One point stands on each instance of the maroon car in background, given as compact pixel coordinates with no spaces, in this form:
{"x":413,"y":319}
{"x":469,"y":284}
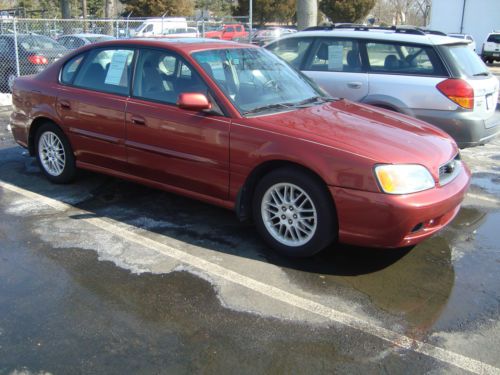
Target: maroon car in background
{"x":233,"y":125}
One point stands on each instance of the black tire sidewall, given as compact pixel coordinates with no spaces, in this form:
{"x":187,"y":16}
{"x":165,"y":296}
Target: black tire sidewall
{"x":69,"y":171}
{"x":327,"y":228}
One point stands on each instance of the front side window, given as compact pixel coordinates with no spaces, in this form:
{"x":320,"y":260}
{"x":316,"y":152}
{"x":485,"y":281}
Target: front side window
{"x":255,"y":79}
{"x":335,"y":55}
{"x":398,"y":58}
{"x":291,"y":50}
{"x":230,"y":29}
{"x":162,"y":76}
{"x":106,"y":70}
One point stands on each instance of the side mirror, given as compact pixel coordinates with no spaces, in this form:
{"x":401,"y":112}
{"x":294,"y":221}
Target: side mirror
{"x":193,"y":101}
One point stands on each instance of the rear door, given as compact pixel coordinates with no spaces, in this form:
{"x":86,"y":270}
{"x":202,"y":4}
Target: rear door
{"x":93,"y":104}
{"x":183,"y":149}
{"x":335,"y":65}
{"x":404,"y":76}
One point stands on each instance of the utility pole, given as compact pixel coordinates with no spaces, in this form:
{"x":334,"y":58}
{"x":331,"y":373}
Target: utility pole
{"x":307,"y":13}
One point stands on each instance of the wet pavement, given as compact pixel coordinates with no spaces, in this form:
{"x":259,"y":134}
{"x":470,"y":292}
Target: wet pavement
{"x":108,"y":277}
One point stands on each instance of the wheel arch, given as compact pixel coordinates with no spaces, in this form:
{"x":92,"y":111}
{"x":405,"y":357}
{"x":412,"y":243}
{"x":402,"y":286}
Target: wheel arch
{"x":243,"y":206}
{"x":388,"y":102}
{"x":35,"y":125}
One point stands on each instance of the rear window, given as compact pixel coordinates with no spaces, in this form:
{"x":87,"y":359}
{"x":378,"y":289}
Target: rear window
{"x":495,"y":38}
{"x":466,"y":60}
{"x":95,"y":39}
{"x":39,"y":43}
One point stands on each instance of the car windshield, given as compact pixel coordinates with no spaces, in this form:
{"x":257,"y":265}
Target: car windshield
{"x":495,"y":38}
{"x":467,"y":61}
{"x":36,"y":43}
{"x":256,"y":81}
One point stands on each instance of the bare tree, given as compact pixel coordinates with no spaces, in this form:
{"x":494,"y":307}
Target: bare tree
{"x":400,"y":12}
{"x":424,"y":8}
{"x":307,"y":13}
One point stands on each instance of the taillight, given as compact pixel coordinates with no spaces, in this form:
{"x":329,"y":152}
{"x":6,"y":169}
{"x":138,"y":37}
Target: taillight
{"x":38,"y":60}
{"x":458,"y":91}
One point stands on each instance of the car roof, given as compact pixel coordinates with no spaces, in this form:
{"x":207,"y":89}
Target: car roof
{"x":85,"y":35}
{"x":379,"y":34}
{"x":186,"y":45}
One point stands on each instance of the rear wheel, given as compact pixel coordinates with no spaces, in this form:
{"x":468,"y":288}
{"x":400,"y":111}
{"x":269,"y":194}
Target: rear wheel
{"x":54,"y":154}
{"x":294,"y":213}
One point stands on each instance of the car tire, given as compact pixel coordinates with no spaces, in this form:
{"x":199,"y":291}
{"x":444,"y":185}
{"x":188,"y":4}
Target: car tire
{"x":294,"y":213}
{"x":54,"y":154}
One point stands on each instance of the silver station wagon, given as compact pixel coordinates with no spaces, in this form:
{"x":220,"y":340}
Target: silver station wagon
{"x":434,"y":78}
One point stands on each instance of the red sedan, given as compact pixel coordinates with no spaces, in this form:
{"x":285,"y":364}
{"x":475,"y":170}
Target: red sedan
{"x":233,"y":125}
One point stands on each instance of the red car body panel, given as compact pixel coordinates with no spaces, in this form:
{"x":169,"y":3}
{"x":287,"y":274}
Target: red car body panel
{"x":210,"y":157}
{"x":225,"y":34}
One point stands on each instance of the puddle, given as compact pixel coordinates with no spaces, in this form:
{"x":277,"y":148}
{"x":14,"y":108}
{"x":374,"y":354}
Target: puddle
{"x":488,"y":182}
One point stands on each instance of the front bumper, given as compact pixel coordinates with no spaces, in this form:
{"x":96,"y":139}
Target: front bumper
{"x":391,"y":221}
{"x":467,"y":128}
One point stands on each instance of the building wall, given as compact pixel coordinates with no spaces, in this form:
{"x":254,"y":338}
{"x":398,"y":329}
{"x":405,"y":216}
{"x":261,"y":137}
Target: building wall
{"x":480,"y":18}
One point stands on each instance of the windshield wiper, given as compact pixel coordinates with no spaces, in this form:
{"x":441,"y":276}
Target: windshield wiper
{"x":314,"y":99}
{"x":269,"y":106}
{"x":481,"y":74}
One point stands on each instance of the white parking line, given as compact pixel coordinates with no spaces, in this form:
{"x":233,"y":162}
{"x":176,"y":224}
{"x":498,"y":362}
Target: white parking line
{"x":483,"y":198}
{"x":127,"y":233}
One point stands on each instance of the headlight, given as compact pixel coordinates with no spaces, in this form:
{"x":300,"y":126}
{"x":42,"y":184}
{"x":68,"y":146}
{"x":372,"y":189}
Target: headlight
{"x":403,"y":178}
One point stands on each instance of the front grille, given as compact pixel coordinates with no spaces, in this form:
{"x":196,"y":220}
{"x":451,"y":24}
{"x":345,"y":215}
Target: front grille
{"x":450,"y":170}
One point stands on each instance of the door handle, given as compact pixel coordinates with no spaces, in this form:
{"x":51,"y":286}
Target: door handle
{"x":354,"y":85}
{"x":64,"y":104}
{"x":137,"y":120}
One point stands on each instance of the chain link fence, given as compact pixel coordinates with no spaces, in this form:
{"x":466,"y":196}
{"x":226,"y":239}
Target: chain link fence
{"x":28,"y":46}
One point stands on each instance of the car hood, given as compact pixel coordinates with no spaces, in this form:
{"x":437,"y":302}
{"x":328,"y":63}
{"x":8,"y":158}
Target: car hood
{"x":380,"y":135}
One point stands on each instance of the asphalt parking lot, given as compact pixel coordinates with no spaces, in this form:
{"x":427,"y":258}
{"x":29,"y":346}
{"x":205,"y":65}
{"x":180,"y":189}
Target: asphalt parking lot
{"x":107,"y":277}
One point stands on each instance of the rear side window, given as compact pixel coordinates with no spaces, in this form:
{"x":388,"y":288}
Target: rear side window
{"x":335,"y":55}
{"x":398,"y":58}
{"x":106,"y":70}
{"x":70,"y":68}
{"x":465,"y":60}
{"x":494,"y":38}
{"x":292,"y":50}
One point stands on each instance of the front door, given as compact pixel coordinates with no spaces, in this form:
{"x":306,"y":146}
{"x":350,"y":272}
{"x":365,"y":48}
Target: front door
{"x":335,"y":65}
{"x":176,"y":147}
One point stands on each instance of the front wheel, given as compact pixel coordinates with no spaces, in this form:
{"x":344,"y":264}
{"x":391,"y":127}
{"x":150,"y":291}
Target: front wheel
{"x":294,"y":213}
{"x":54,"y":154}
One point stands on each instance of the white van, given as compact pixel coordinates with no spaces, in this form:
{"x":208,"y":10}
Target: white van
{"x":159,"y":26}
